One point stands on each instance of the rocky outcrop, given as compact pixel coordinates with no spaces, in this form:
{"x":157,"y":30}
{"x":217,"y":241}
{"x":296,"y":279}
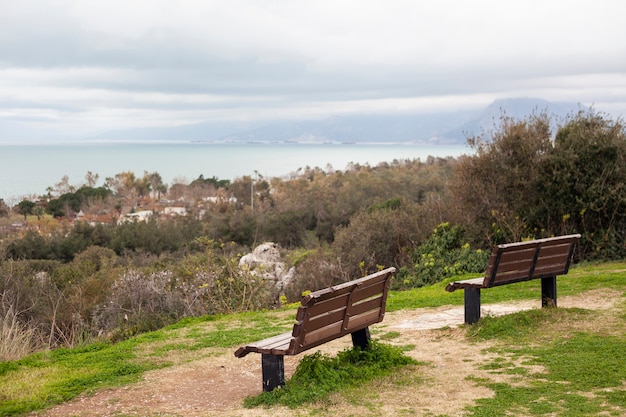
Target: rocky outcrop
{"x":265,"y":261}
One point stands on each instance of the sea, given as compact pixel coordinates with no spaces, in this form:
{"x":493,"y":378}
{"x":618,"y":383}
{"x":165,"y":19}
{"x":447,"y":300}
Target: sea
{"x":29,"y":170}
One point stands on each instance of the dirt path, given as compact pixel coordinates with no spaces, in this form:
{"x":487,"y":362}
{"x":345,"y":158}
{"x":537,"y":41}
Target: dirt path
{"x":217,"y":385}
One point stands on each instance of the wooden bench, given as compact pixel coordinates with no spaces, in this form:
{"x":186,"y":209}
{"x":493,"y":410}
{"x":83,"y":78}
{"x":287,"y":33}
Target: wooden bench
{"x":322,"y":316}
{"x":515,"y":262}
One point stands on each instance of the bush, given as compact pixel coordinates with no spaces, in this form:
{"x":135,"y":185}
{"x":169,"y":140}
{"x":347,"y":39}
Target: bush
{"x":441,"y":256}
{"x":380,"y":236}
{"x":211,"y":283}
{"x":139,"y":302}
{"x":315,"y":269}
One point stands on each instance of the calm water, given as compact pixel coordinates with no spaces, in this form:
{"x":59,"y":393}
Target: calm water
{"x":30,"y":169}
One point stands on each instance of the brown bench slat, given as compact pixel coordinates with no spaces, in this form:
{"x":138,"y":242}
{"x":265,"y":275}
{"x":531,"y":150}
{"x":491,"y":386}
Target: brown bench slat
{"x":319,"y":336}
{"x":551,"y":260}
{"x":322,"y":321}
{"x":338,"y":316}
{"x":362,"y":292}
{"x":321,"y":330}
{"x":367,"y":305}
{"x":323,"y":313}
{"x":317,"y":308}
{"x":363,"y":320}
{"x":330,"y":332}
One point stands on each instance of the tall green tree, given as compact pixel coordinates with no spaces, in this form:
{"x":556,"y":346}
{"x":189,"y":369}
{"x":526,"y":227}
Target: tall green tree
{"x":581,"y":184}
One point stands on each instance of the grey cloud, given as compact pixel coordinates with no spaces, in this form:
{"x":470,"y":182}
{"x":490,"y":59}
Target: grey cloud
{"x":82,"y":63}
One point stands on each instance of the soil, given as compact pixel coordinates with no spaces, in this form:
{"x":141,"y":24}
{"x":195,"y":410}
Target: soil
{"x":216,"y":385}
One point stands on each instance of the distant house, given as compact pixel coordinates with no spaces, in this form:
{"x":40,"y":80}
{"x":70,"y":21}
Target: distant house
{"x":102,"y":217}
{"x":137,"y":216}
{"x":219,"y":199}
{"x":175,"y":211}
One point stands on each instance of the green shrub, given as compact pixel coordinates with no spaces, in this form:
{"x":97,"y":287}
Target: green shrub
{"x":441,"y":256}
{"x":319,"y":375}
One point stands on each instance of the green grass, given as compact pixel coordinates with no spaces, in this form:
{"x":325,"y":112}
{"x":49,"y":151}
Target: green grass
{"x":48,"y":378}
{"x":579,"y":370}
{"x":524,"y":326}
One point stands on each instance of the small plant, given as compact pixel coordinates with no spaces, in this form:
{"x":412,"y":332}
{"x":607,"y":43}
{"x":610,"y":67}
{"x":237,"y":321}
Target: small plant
{"x":319,"y":375}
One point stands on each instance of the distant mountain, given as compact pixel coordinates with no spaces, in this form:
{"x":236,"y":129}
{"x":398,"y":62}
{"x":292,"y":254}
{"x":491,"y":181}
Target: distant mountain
{"x":516,"y":108}
{"x":451,"y":127}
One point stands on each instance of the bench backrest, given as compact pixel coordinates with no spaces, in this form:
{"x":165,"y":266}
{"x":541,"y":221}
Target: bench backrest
{"x":533,"y":259}
{"x":336,"y":311}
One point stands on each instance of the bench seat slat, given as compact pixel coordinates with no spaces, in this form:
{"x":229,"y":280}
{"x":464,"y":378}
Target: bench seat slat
{"x":466,"y":283}
{"x":271,"y":345}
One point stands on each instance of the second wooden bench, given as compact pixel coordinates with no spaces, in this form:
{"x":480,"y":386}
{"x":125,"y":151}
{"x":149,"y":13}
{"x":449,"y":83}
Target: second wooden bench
{"x":514,"y":262}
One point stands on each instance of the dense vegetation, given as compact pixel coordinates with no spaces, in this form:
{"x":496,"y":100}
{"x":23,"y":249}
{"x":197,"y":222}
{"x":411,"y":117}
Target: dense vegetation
{"x":66,"y":281}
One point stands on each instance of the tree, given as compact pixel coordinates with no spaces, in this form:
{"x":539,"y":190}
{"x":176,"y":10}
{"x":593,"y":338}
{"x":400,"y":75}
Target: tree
{"x":156,"y":183}
{"x":26,"y":208}
{"x":581,"y":184}
{"x":91,"y":179}
{"x":73,"y":202}
{"x":4,"y":209}
{"x":123,"y":184}
{"x":64,"y":187}
{"x":522,"y":184}
{"x":493,"y":186}
{"x":380,"y":236}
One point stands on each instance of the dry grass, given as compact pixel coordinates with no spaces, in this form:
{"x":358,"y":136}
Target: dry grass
{"x":16,"y":338}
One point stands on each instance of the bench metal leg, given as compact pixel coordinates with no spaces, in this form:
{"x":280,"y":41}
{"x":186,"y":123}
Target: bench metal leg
{"x":361,"y":338}
{"x":273,"y":367}
{"x":548,"y":292}
{"x":472,"y":304}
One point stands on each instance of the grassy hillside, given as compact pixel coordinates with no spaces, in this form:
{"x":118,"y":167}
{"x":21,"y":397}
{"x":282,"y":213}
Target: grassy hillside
{"x":540,"y":362}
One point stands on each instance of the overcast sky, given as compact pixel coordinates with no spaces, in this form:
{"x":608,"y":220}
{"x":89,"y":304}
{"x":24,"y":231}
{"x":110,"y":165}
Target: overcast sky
{"x":78,"y":67}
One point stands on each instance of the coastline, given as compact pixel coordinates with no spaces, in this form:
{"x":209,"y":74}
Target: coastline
{"x":29,"y":169}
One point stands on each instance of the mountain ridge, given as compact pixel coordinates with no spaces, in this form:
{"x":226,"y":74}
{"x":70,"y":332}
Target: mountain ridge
{"x":432,"y":128}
